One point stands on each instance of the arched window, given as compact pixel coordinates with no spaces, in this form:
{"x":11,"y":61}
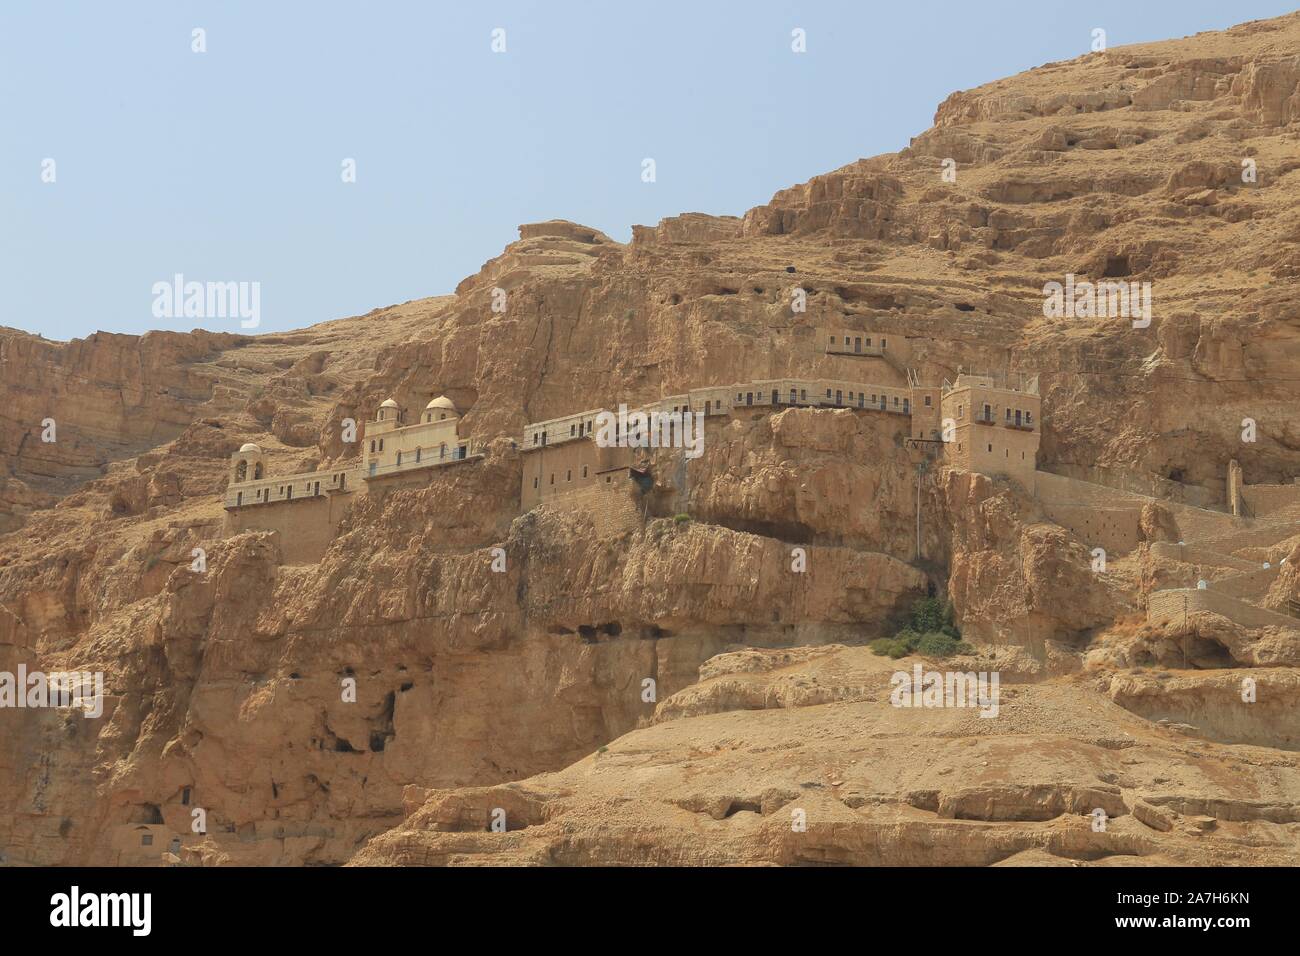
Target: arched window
{"x":257,"y":471}
{"x":241,"y":470}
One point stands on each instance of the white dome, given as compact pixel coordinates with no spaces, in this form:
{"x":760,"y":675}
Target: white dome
{"x":249,"y":446}
{"x":442,"y":401}
{"x":388,"y":403}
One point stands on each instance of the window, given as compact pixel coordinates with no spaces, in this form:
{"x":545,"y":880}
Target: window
{"x":832,"y":340}
{"x":708,"y":407}
{"x":442,"y":450}
{"x":534,"y":482}
{"x":882,"y":343}
{"x":318,"y":487}
{"x":828,"y":393}
{"x":990,"y":447}
{"x":552,"y":477}
{"x":239,"y":498}
{"x":146,"y":839}
{"x":381,"y":444}
{"x":185,"y":797}
{"x":803,"y":395}
{"x":868,"y":343}
{"x":569,"y":476}
{"x":399,"y":458}
{"x":584,"y":471}
{"x":928,"y":401}
{"x":573,"y":430}
{"x":372,"y":446}
{"x":961,"y":411}
{"x":794,"y":396}
{"x":418,"y":452}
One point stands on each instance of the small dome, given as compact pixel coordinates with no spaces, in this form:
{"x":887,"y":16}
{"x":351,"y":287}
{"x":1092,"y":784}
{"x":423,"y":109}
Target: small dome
{"x":388,"y":403}
{"x":442,"y":401}
{"x":249,"y":446}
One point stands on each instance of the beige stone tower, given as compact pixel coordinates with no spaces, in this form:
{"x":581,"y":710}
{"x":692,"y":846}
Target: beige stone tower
{"x":993,"y":429}
{"x":247,"y":464}
{"x":1234,"y":488}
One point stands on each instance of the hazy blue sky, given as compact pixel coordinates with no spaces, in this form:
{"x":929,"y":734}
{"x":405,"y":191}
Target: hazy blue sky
{"x":225,"y":165}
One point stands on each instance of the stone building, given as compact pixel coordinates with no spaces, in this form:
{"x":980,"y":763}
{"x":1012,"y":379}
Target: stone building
{"x":994,"y":428}
{"x":392,"y":445}
{"x":309,"y":506}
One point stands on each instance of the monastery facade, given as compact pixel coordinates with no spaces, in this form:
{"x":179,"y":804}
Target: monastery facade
{"x":307,"y":507}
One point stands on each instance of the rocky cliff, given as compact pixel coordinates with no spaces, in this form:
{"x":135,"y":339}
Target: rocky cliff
{"x":680,"y":693}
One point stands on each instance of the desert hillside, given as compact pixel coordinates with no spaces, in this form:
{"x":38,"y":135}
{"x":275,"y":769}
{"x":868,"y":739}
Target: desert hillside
{"x":680,"y":668}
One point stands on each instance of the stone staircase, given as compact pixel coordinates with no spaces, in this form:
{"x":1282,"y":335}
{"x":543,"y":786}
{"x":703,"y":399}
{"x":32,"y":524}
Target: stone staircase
{"x":1239,"y":592}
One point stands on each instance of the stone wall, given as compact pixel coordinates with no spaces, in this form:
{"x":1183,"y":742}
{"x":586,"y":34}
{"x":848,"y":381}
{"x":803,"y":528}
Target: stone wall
{"x":1115,"y":529}
{"x":611,"y":502}
{"x":306,"y":525}
{"x":1170,"y":605}
{"x":1264,"y":500}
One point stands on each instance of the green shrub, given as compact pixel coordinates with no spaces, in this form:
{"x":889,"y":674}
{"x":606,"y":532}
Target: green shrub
{"x":682,"y":518}
{"x":936,"y":644}
{"x":927,"y":629}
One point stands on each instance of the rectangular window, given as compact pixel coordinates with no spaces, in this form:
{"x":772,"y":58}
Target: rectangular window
{"x":584,"y":471}
{"x":534,"y":482}
{"x":928,"y":402}
{"x":569,"y":475}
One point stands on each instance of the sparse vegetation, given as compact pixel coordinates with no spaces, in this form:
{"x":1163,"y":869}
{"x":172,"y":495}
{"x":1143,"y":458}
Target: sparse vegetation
{"x":682,"y":518}
{"x":927,"y":629}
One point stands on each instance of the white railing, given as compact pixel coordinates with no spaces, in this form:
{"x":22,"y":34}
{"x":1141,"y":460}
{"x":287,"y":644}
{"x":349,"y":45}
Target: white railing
{"x":719,"y":399}
{"x":274,"y":488}
{"x":461,"y":451}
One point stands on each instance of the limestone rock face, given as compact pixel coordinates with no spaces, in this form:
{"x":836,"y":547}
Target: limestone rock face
{"x":676,"y":691}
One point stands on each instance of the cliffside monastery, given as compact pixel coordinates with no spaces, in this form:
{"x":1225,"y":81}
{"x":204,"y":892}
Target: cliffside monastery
{"x":977,"y":423}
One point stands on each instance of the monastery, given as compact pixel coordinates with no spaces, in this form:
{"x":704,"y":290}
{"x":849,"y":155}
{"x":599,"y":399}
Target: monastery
{"x":978,"y":423}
